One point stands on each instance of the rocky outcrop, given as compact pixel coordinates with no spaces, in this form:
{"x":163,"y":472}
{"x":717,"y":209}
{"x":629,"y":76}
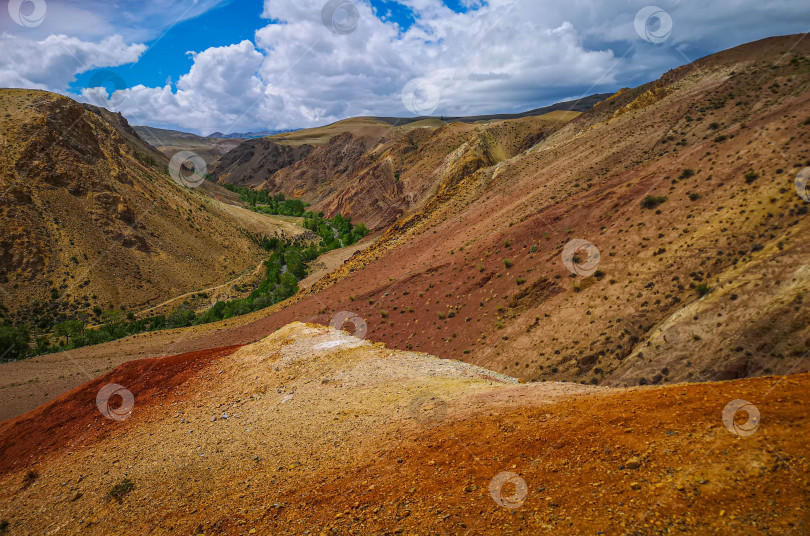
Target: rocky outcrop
{"x":254,"y":161}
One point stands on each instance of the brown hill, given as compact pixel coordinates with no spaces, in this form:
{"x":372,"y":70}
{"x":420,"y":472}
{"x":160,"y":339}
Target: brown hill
{"x":378,"y":175}
{"x":311,"y":431}
{"x":90,"y":218}
{"x":582,"y":104}
{"x":170,"y":142}
{"x":253,"y":161}
{"x":710,"y":284}
{"x":361,"y":126}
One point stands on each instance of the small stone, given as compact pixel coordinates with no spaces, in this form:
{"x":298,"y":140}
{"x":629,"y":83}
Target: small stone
{"x":633,"y":463}
{"x":635,"y":485}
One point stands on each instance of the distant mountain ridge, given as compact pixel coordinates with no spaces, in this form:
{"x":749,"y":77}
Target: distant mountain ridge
{"x":330,"y":168}
{"x":170,"y":142}
{"x":212,"y":147}
{"x":577,"y":105}
{"x":249,"y":135}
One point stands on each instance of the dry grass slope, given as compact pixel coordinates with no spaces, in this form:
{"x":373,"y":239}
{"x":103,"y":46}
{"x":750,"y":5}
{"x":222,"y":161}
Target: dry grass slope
{"x":90,"y":218}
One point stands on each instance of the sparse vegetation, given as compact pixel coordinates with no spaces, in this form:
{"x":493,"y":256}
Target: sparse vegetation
{"x":30,"y":477}
{"x":287,"y":264}
{"x":652,"y":201}
{"x":120,"y":490}
{"x":508,"y":263}
{"x":702,"y":289}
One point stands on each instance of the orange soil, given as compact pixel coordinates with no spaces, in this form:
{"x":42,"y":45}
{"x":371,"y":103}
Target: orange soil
{"x":320,"y":444}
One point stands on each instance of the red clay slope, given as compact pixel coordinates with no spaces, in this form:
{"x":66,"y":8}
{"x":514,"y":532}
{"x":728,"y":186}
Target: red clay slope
{"x":72,"y":419}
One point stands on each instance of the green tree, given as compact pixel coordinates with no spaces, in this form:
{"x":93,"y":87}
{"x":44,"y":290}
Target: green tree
{"x":69,"y":329}
{"x":13,"y":342}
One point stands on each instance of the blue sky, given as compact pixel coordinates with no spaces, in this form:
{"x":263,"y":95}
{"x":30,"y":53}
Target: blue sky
{"x":228,"y":23}
{"x":167,"y":58}
{"x":237,"y":65}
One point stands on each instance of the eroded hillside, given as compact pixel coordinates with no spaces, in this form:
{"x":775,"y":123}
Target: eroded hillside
{"x":686,"y":188}
{"x":91,"y":220}
{"x":253,"y":161}
{"x":312,"y":431}
{"x":377,"y":176}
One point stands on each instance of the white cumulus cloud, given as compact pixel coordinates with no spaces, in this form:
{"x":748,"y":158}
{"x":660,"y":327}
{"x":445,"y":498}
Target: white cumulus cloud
{"x":53,"y":62}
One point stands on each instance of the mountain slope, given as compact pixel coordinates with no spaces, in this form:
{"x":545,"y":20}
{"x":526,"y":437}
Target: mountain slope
{"x":582,"y":104}
{"x":90,"y":220}
{"x":253,"y":161}
{"x":311,"y":431}
{"x":170,"y":142}
{"x":708,"y":284}
{"x":377,"y":176}
{"x":355,"y":165}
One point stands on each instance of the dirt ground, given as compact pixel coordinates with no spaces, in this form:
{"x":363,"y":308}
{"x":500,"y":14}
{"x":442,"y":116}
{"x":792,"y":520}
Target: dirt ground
{"x":311,"y":431}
